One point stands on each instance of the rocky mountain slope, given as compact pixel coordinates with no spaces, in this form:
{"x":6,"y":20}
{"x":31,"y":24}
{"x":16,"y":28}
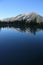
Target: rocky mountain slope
{"x":32,"y":17}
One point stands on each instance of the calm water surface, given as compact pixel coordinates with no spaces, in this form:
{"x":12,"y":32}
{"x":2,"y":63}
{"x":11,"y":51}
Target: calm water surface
{"x":20,"y":48}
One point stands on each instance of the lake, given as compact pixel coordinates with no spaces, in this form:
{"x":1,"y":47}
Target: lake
{"x":21,"y":46}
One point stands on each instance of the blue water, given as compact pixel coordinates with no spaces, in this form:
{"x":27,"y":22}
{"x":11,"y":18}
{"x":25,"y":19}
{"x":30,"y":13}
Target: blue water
{"x":20,"y":48}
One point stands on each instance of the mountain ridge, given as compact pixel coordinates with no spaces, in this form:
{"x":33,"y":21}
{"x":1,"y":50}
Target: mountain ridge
{"x":25,"y":17}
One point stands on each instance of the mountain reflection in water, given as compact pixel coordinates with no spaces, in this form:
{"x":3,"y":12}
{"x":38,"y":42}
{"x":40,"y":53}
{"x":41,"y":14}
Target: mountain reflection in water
{"x":17,"y":48}
{"x":23,"y":27}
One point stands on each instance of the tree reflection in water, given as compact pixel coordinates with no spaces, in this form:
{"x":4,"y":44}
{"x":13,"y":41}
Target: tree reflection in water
{"x":24,"y":27}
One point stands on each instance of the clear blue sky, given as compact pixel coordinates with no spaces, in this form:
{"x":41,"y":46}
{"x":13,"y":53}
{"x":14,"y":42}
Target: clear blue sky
{"x":9,"y":8}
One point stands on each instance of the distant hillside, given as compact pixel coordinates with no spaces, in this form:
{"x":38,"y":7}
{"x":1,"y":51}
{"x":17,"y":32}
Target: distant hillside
{"x":32,"y":17}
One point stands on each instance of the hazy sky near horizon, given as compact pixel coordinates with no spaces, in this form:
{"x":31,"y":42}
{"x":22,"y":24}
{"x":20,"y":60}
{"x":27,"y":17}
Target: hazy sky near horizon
{"x":9,"y":8}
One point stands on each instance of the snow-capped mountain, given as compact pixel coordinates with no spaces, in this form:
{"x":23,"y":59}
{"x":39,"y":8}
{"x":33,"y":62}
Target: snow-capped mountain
{"x":26,"y":17}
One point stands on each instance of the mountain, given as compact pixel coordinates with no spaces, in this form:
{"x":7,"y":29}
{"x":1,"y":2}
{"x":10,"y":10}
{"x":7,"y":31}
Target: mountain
{"x":32,"y":17}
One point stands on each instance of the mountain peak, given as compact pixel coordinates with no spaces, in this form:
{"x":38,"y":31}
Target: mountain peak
{"x":27,"y":17}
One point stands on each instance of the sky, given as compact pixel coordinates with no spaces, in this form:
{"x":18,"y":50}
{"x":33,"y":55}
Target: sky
{"x":10,"y":8}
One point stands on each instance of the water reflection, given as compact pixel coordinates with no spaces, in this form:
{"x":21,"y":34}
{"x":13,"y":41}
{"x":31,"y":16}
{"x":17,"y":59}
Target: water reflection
{"x":23,"y":27}
{"x":17,"y":48}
